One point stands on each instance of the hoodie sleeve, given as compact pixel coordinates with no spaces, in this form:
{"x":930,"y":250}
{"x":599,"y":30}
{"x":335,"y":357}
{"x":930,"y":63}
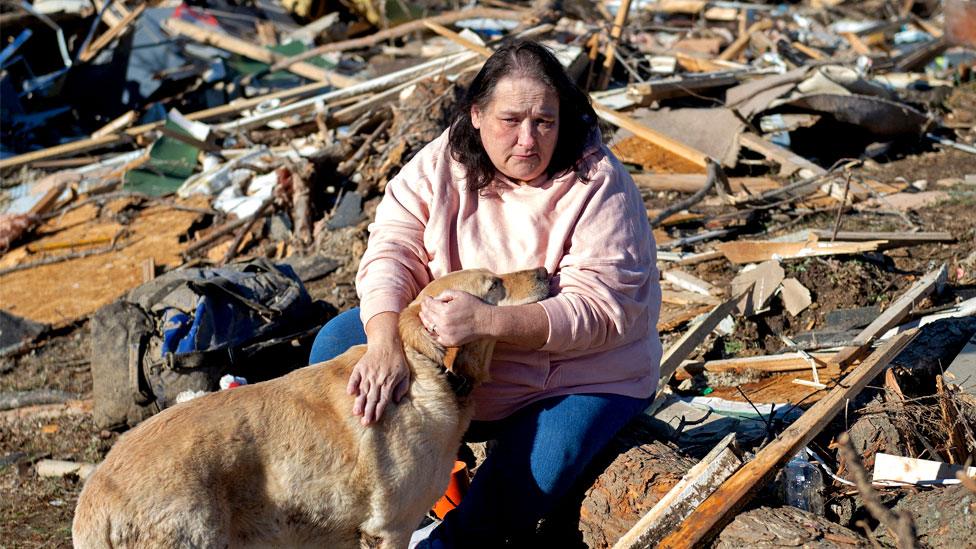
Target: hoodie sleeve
{"x":608,"y":289}
{"x":394,"y":268}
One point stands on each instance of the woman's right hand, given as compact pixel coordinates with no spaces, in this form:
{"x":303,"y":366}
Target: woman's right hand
{"x":381,"y":374}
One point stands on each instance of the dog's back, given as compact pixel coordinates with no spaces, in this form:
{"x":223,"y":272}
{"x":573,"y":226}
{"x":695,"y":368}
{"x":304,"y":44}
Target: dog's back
{"x":281,"y":462}
{"x":222,"y":465}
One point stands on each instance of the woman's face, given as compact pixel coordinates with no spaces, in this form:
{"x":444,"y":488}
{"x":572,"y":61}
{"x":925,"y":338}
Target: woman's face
{"x":519,"y":127}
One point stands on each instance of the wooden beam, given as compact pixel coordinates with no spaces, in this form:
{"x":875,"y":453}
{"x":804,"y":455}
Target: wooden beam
{"x":784,"y":362}
{"x":741,"y":41}
{"x":109,"y":17}
{"x":890,"y":318}
{"x":112,"y":33}
{"x":402,"y":30}
{"x":788,"y":160}
{"x":671,"y":145}
{"x":117,"y":124}
{"x":254,"y":51}
{"x":719,"y":508}
{"x":457,"y":38}
{"x":697,"y":484}
{"x":892,"y":237}
{"x":689,"y":282}
{"x":687,"y":298}
{"x":700,"y":64}
{"x":754,"y":251}
{"x":646,"y":93}
{"x":615,"y":31}
{"x":691,"y":339}
{"x":693,"y":182}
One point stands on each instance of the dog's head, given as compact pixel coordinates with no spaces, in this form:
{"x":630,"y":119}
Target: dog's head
{"x":471,"y":360}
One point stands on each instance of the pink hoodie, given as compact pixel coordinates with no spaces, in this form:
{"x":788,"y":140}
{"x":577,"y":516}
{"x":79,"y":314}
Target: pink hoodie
{"x":591,"y":233}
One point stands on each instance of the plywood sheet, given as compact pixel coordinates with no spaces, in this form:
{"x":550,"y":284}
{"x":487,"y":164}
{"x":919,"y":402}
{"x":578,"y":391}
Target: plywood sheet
{"x":63,"y":292}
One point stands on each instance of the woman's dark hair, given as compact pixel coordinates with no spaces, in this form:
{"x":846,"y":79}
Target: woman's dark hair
{"x":521,"y":58}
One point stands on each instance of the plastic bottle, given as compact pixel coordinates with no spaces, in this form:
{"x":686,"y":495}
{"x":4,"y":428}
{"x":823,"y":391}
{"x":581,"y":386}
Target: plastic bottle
{"x":803,"y":484}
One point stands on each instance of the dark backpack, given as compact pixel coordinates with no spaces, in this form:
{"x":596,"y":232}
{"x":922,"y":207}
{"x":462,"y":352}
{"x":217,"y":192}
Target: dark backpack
{"x":186,"y":329}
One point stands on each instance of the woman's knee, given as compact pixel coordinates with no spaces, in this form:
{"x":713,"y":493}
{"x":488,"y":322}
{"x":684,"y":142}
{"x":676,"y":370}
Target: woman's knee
{"x":339,"y":334}
{"x":570,"y":435}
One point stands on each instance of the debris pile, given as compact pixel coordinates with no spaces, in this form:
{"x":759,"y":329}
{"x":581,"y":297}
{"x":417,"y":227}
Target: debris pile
{"x":809,"y":170}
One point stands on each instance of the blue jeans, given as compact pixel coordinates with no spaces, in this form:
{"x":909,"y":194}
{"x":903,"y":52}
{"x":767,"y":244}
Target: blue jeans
{"x":539,"y":453}
{"x":342,"y":332}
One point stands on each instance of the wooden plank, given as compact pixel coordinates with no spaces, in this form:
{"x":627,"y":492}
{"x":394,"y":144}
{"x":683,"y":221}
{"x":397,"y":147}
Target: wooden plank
{"x":689,"y":282}
{"x":457,"y":38}
{"x":254,"y":51}
{"x":892,"y":470}
{"x":697,"y":484}
{"x":112,"y":33}
{"x":753,"y":251}
{"x":673,"y":320}
{"x":893,"y":237}
{"x":812,"y":53}
{"x":402,"y":30}
{"x":856,"y":43}
{"x":671,"y":145}
{"x":619,"y":20}
{"x":687,"y":298}
{"x":719,"y":508}
{"x":962,"y":370}
{"x":693,"y":182}
{"x":687,"y":7}
{"x":784,"y":362}
{"x":741,"y":41}
{"x":893,"y":315}
{"x":699,"y":64}
{"x":788,"y":160}
{"x":115,"y":125}
{"x":60,"y":468}
{"x":646,"y":93}
{"x":691,"y":339}
{"x":109,"y":17}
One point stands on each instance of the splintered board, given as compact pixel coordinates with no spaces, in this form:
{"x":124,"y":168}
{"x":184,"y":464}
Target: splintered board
{"x":634,"y":150}
{"x":62,"y":292}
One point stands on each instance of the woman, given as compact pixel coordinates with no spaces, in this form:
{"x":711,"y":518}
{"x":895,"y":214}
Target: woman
{"x":520,"y":180}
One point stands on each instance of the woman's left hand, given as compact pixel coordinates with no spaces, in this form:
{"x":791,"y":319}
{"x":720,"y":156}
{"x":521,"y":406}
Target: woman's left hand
{"x":455,"y":318}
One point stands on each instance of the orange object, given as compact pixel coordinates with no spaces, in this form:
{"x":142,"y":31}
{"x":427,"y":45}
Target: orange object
{"x":455,"y":490}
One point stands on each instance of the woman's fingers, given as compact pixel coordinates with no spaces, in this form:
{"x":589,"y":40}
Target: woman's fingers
{"x":376,"y":378}
{"x":359,"y":405}
{"x":352,"y":387}
{"x":381,"y":401}
{"x":401,"y":389}
{"x":372,"y":400}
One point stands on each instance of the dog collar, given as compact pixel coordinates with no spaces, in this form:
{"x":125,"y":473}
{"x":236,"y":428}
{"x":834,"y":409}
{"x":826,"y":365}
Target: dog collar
{"x":461,"y":385}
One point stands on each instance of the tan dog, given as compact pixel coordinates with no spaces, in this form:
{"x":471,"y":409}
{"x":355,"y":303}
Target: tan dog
{"x":285,"y":463}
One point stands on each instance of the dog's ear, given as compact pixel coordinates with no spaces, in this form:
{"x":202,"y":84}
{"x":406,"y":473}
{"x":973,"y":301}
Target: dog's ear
{"x":416,"y":337}
{"x":471,"y":360}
